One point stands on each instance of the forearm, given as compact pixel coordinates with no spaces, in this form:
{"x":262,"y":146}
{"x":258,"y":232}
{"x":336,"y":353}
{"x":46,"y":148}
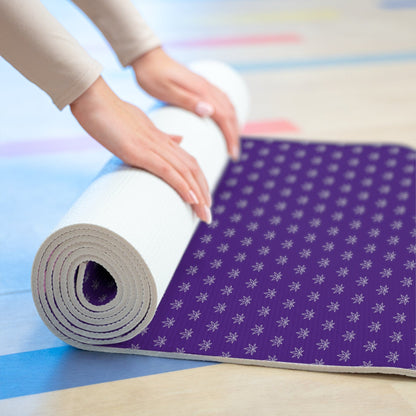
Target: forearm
{"x":122,"y":25}
{"x":39,"y":47}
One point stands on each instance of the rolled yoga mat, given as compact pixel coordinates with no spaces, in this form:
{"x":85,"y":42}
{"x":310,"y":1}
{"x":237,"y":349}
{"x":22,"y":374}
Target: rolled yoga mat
{"x":309,"y":262}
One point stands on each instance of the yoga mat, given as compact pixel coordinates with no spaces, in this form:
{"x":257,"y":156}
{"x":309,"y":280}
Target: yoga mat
{"x":309,"y":262}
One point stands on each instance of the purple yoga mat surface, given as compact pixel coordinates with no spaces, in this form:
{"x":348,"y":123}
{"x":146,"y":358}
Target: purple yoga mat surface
{"x":310,"y":258}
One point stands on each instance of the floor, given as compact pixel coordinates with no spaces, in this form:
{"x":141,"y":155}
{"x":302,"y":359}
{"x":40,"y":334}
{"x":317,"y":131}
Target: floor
{"x":334,"y":70}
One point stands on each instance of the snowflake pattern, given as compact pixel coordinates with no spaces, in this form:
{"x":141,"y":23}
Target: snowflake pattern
{"x":311,"y":258}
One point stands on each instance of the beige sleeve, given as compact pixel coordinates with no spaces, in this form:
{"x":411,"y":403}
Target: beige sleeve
{"x":38,"y":46}
{"x":122,"y":25}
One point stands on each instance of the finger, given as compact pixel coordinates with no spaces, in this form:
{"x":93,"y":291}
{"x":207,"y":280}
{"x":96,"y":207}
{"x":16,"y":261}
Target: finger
{"x":189,"y":168}
{"x":198,"y":174}
{"x":161,"y":168}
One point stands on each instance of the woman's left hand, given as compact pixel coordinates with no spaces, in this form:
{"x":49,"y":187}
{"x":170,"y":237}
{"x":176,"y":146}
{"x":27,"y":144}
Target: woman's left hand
{"x":167,"y":80}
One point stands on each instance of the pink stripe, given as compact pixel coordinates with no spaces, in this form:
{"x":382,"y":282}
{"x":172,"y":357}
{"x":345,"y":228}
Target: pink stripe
{"x":42,"y":146}
{"x":269,"y":126}
{"x":236,"y":40}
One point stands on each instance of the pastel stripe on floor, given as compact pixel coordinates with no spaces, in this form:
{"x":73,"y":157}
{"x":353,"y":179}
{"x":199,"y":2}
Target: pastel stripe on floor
{"x":66,"y":367}
{"x":235,"y":41}
{"x":408,"y":56}
{"x":269,"y":16}
{"x":77,"y":144}
{"x":269,"y":126}
{"x":398,"y":4}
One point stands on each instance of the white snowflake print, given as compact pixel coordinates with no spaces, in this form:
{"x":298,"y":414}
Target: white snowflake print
{"x":328,"y":246}
{"x":236,"y":218}
{"x":184,"y":287}
{"x":277,"y":341}
{"x":396,"y":337}
{"x":358,"y":298}
{"x":294,"y":286}
{"x":283,"y":322}
{"x":305,"y":253}
{"x":205,"y":345}
{"x":379,"y":307}
{"x":287,"y":244}
{"x":289,"y":303}
{"x":252,"y":283}
{"x":323,"y":344}
{"x":223,"y":247}
{"x":209,"y":280}
{"x":386,"y":272}
{"x":229,"y":232}
{"x":276,"y":220}
{"x":349,"y":336}
{"x":231,"y":337}
{"x":333,"y":306}
{"x":310,"y":238}
{"x":246,"y":241}
{"x":407,"y":281}
{"x":251,"y":349}
{"x":399,"y":318}
{"x":338,"y":289}
{"x":328,"y":325}
{"x":374,"y":326}
{"x":168,"y":322}
{"x":393,"y":240}
{"x":220,"y":307}
{"x":319,"y":279}
{"x":362,"y":281}
{"x":370,"y":248}
{"x":202,"y":297}
{"x":199,"y":254}
{"x":303,"y":333}
{"x":319,"y":362}
{"x":313,"y":296}
{"x":300,"y":269}
{"x":344,"y":355}
{"x":270,"y":235}
{"x":257,"y":330}
{"x":308,"y":314}
{"x":297,"y":352}
{"x":353,"y":317}
{"x":238,"y":318}
{"x":382,"y":290}
{"x":245,"y":300}
{"x":234,"y":273}
{"x":343,"y":272}
{"x":292,"y":229}
{"x":176,"y":304}
{"x":392,"y":357}
{"x":216,"y":264}
{"x":264,"y":311}
{"x":213,"y":326}
{"x":227,"y":290}
{"x":257,"y":267}
{"x":192,"y":270}
{"x":194,"y":315}
{"x":276,"y":276}
{"x":187,"y":333}
{"x":366,"y":264}
{"x":270,"y":293}
{"x":403,"y":299}
{"x":282,"y":260}
{"x":240,"y":257}
{"x":207,"y":238}
{"x":324,"y":262}
{"x":252,"y":226}
{"x":370,"y":346}
{"x":264,"y":250}
{"x":159,"y":341}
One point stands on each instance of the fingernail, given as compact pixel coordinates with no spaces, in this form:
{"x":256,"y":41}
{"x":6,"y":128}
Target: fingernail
{"x":194,"y":199}
{"x":235,"y":152}
{"x":209,"y":200}
{"x":208,"y":215}
{"x":204,"y":109}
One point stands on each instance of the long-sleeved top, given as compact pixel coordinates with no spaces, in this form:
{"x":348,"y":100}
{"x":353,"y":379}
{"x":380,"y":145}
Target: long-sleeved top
{"x":40,"y":48}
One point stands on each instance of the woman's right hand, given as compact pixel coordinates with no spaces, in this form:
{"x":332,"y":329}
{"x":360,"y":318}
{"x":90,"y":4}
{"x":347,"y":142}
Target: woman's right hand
{"x":128,"y":133}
